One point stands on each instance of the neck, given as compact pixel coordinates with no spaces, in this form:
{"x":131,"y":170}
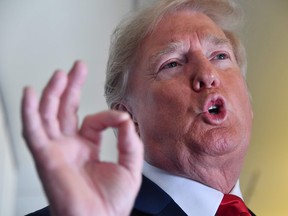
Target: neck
{"x":220,"y":173}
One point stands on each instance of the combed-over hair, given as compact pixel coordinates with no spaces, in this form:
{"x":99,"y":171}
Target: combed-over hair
{"x":132,"y":30}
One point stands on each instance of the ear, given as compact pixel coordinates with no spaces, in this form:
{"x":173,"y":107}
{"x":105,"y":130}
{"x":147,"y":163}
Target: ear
{"x":124,"y":108}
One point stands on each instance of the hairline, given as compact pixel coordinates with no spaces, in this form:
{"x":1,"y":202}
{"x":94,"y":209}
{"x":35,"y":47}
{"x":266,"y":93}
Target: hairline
{"x":152,"y":23}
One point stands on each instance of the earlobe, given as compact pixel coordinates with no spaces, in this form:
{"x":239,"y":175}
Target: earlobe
{"x":124,"y":108}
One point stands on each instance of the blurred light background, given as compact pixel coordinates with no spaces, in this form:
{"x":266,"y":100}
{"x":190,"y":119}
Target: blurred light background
{"x":37,"y":37}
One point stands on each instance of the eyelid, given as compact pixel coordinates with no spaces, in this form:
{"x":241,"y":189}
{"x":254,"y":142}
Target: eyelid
{"x":217,"y":53}
{"x":162,"y":67}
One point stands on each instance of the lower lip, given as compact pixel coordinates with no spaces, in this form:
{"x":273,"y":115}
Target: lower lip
{"x":215,"y":119}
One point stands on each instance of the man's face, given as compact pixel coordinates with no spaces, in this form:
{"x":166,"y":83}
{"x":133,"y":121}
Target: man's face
{"x":187,"y":96}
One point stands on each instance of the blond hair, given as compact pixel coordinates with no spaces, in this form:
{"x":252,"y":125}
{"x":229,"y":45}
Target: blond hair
{"x":129,"y":34}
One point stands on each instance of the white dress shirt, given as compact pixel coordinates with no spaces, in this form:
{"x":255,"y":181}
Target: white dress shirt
{"x":193,"y":197}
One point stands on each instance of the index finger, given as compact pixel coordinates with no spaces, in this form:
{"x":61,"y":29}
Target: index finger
{"x":32,"y":127}
{"x":93,"y":125}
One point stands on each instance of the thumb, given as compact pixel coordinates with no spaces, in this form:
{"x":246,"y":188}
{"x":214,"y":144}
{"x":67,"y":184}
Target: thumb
{"x":130,"y":148}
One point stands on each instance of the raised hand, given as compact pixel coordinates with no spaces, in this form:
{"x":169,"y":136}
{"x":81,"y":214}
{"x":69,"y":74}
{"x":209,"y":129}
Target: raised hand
{"x":67,"y":159}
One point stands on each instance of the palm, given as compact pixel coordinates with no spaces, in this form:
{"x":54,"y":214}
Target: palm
{"x":67,"y":158}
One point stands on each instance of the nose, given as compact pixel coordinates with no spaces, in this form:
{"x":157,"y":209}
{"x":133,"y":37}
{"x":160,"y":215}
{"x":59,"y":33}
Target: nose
{"x":205,"y":76}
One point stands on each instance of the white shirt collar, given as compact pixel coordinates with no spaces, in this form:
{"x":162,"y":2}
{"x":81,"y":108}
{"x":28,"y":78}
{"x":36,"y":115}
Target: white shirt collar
{"x":193,"y":197}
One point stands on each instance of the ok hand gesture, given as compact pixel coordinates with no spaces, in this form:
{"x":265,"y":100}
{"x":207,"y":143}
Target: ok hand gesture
{"x":67,"y":159}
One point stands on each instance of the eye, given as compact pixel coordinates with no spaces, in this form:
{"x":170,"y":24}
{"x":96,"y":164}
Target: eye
{"x":221,"y":56}
{"x":170,"y":65}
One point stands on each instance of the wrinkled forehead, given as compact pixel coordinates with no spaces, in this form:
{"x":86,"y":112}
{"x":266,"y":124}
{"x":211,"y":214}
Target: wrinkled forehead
{"x":177,"y":12}
{"x":174,"y":27}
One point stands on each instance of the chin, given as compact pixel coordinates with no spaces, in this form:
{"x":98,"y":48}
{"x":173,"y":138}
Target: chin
{"x":218,"y":142}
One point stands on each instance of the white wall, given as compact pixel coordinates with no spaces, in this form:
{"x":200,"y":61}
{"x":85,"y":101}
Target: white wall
{"x":37,"y":37}
{"x":7,"y":167}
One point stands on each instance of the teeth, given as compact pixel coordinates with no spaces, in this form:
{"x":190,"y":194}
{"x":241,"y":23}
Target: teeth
{"x":214,"y":109}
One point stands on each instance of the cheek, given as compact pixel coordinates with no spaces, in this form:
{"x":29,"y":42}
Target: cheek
{"x":160,"y":107}
{"x":167,"y":101}
{"x":242,"y":103}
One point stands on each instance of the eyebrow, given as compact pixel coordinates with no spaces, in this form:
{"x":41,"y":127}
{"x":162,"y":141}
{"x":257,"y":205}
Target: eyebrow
{"x":217,"y":41}
{"x":176,"y":45}
{"x":170,"y":48}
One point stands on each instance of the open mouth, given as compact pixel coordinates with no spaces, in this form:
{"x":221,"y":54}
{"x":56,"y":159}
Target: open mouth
{"x":214,"y":110}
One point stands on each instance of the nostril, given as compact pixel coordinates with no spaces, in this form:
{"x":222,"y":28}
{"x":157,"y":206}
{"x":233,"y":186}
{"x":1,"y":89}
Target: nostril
{"x":215,"y":82}
{"x":198,"y":85}
{"x":201,"y":84}
{"x":212,"y":84}
{"x":205,"y":81}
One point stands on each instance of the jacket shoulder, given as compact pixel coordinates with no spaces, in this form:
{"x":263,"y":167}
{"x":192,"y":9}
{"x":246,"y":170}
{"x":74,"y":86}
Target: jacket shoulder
{"x":152,"y":200}
{"x":41,"y":212}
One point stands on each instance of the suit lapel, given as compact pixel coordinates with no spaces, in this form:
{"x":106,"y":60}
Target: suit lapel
{"x":152,"y":200}
{"x":252,"y":214}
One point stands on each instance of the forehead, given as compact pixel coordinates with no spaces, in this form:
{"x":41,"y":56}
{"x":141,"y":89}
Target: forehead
{"x":181,"y":25}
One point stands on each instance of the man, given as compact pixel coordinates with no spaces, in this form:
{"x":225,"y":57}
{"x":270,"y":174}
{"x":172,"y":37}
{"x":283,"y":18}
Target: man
{"x":178,"y":70}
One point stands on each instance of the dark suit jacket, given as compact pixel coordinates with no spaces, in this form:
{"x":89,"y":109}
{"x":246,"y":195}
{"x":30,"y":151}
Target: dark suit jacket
{"x":151,"y":201}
